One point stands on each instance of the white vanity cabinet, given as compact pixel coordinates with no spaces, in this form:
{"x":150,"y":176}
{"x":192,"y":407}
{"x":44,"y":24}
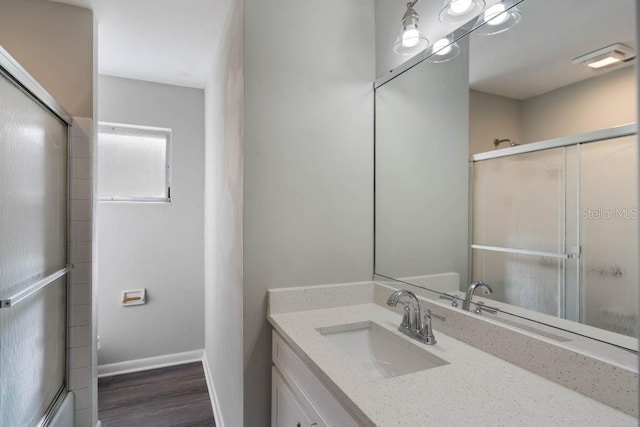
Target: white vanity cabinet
{"x":298,"y":398}
{"x":286,"y":409}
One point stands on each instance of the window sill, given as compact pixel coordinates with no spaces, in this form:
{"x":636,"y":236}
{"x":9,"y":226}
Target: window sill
{"x":135,"y":199}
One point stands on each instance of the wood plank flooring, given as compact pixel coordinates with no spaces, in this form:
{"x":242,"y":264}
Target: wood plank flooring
{"x":175,"y":396}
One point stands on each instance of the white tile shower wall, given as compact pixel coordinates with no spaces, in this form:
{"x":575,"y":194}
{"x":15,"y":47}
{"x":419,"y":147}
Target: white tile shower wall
{"x":80,"y":310}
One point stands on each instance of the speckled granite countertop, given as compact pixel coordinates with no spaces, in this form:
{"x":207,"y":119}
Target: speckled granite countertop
{"x":474,"y":389}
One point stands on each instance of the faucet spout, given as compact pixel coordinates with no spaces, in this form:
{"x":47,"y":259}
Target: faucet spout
{"x":414,"y":307}
{"x":412,"y":324}
{"x":471,"y":291}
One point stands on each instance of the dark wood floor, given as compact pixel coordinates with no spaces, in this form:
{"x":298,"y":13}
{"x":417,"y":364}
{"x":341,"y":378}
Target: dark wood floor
{"x":176,"y":396}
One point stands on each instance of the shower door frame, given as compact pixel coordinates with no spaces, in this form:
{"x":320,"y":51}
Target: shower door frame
{"x":565,"y":141}
{"x":568,"y":141}
{"x":13,"y":71}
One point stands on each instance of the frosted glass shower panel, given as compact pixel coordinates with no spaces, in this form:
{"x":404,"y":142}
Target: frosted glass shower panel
{"x":519,"y":201}
{"x":32,"y":355}
{"x":530,"y":282}
{"x":33,"y":189}
{"x":609,"y":234}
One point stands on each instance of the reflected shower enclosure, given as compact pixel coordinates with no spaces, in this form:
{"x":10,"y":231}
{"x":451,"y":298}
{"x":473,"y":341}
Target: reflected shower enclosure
{"x":555,"y":230}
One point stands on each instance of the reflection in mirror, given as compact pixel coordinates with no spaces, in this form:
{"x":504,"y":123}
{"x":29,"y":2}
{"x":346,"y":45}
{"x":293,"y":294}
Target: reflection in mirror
{"x":392,"y":58}
{"x":525,"y":86}
{"x":588,"y":340}
{"x":551,"y":230}
{"x":421,"y":134}
{"x":553,"y":224}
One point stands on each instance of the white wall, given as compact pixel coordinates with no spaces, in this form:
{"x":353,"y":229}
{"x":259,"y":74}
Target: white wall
{"x":601,"y":102}
{"x":308,"y":201}
{"x":158,"y":246}
{"x":224,"y":115}
{"x":491,"y":117}
{"x":593,"y":104}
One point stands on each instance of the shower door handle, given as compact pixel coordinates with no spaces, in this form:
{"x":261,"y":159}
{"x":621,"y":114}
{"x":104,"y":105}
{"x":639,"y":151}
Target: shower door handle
{"x":524,"y":252}
{"x":22,"y":294}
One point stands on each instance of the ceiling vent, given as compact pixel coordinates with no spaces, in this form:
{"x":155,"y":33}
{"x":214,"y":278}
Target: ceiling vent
{"x":607,"y":56}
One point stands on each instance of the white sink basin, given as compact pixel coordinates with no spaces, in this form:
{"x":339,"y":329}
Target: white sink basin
{"x":378,"y":351}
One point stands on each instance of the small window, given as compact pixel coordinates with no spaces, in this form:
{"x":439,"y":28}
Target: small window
{"x":133,"y":163}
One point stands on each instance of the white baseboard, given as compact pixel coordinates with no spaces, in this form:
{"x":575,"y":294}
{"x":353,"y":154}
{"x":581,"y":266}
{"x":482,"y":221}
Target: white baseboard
{"x":215,"y":403}
{"x":137,"y":365}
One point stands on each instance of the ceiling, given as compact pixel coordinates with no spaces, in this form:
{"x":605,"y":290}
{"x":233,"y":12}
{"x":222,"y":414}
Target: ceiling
{"x":173,"y":41}
{"x":535,"y":56}
{"x":164,"y":41}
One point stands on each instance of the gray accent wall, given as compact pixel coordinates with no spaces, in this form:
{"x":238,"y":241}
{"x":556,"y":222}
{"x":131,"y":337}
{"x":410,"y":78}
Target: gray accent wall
{"x":157,"y":246}
{"x":308,"y":170}
{"x":422,"y":174}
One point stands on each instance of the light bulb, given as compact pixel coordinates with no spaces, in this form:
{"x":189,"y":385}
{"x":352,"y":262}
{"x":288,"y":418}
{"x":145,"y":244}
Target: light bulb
{"x":495,"y":14}
{"x":460,"y":11}
{"x":442,"y":47}
{"x":458,"y":7}
{"x":410,"y":37}
{"x":609,"y":60}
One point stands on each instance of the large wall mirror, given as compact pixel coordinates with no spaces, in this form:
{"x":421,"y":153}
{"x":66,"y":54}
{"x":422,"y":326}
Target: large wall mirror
{"x":516,"y":165}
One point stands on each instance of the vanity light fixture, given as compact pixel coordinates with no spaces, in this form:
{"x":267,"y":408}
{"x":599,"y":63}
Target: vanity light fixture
{"x":607,"y":56}
{"x":444,"y":50}
{"x":460,"y":11}
{"x":498,"y":19}
{"x":411,"y":40}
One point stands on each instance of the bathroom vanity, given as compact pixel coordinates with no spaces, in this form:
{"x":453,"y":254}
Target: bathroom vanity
{"x":329,"y":341}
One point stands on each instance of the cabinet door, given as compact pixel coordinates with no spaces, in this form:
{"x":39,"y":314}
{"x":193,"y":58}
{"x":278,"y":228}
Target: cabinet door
{"x":286,"y":411}
{"x":317,"y":402}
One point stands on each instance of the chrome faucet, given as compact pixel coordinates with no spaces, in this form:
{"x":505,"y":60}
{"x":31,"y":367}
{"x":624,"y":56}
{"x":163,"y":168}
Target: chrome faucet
{"x":412,"y":324}
{"x":411,"y":319}
{"x":471,"y":290}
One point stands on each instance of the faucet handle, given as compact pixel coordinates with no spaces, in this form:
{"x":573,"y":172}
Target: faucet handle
{"x":406,"y":314}
{"x":480,"y":307}
{"x":425,"y":333}
{"x":452,"y":298}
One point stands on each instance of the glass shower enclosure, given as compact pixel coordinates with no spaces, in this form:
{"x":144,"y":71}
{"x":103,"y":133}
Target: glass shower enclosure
{"x":33,"y":250}
{"x":555,"y":227}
